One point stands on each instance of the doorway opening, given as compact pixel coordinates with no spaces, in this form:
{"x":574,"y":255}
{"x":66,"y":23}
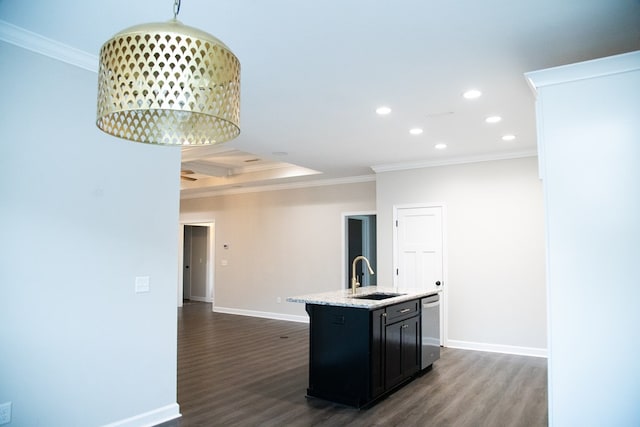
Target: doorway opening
{"x":194,"y":275}
{"x":196,"y":261}
{"x":359,"y":230}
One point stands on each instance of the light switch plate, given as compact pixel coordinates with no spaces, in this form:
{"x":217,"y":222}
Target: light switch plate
{"x":5,"y":413}
{"x":142,"y":284}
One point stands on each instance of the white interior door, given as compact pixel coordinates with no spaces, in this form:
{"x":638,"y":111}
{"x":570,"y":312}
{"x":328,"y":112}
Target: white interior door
{"x":418,"y":253}
{"x":419,"y":248}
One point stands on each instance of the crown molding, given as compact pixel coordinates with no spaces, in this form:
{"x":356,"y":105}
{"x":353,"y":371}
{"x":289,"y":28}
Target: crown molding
{"x":453,"y":161}
{"x":594,"y":68}
{"x":34,"y":42}
{"x":282,"y":186}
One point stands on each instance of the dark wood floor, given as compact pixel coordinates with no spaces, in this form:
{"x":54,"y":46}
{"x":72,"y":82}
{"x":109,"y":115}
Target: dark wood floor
{"x":245,"y":371}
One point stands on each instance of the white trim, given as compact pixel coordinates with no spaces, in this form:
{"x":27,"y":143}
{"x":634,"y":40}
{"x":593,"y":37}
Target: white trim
{"x":498,"y":348}
{"x":34,"y":42}
{"x":196,"y":218}
{"x":180,"y":278}
{"x":600,"y":67}
{"x":261,"y":314}
{"x":541,"y":140}
{"x":151,"y":418}
{"x":391,"y":167}
{"x":282,"y":186}
{"x":345,"y":215}
{"x":445,"y":278}
{"x":359,"y":213}
{"x":262,"y":167}
{"x":211,"y":247}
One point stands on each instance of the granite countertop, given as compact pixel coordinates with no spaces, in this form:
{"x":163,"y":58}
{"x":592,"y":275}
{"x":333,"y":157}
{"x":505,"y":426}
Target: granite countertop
{"x":345,"y":297}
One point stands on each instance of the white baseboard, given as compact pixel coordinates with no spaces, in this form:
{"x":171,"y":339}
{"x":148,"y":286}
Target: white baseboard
{"x":151,"y":418}
{"x":463,"y":345}
{"x":498,"y":348}
{"x":263,"y":314}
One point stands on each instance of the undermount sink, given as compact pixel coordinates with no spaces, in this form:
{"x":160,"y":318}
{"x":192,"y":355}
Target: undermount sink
{"x":377,"y":296}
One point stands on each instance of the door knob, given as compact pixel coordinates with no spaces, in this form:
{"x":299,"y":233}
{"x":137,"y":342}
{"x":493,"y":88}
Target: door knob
{"x":438,"y":283}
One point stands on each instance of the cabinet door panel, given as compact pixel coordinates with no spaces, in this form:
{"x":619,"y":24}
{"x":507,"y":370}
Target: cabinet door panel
{"x":393,"y":354}
{"x":410,"y":347}
{"x":402,"y":351}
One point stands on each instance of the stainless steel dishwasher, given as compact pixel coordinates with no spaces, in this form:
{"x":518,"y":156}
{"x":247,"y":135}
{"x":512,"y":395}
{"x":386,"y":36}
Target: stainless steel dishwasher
{"x":430,"y":330}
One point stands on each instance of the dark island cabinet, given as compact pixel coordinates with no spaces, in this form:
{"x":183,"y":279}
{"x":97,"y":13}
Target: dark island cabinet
{"x":402,"y":351}
{"x":358,"y":355}
{"x":402,"y":342}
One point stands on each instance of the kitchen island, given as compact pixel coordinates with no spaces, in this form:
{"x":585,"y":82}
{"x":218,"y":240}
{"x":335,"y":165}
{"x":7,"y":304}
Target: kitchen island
{"x":363,"y":345}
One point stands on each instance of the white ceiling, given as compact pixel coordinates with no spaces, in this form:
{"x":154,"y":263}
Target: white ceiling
{"x":313,"y":73}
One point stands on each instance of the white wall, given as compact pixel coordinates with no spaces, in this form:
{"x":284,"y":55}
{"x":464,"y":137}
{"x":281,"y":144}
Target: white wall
{"x":81,"y":215}
{"x":281,"y":243}
{"x":589,"y":138}
{"x":289,"y":242}
{"x":495,"y":248}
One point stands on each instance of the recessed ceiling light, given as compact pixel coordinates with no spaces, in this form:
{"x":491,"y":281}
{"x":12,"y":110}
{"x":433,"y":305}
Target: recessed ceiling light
{"x":472,"y":94}
{"x":415,"y":131}
{"x":383,"y":111}
{"x":440,"y":146}
{"x":493,"y":119}
{"x":508,"y":137}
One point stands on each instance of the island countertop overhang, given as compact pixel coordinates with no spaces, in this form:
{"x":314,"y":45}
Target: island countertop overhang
{"x":345,"y":297}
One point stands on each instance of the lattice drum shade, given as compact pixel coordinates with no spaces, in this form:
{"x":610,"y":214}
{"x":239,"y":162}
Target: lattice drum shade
{"x":167,"y":83}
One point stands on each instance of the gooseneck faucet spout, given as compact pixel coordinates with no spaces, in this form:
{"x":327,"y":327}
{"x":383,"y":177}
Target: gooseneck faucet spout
{"x":354,"y":281}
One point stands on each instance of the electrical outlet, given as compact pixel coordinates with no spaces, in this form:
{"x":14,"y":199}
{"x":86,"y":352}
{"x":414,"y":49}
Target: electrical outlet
{"x":278,"y":300}
{"x":5,"y":413}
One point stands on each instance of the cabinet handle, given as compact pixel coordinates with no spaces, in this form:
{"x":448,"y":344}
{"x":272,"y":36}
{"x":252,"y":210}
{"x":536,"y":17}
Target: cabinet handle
{"x":405,"y":326}
{"x":384,"y":314}
{"x":405,"y":310}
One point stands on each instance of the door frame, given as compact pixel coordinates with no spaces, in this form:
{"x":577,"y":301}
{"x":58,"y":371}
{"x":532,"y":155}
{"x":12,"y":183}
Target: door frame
{"x":444,"y":299}
{"x":210,"y":289}
{"x":345,"y":266}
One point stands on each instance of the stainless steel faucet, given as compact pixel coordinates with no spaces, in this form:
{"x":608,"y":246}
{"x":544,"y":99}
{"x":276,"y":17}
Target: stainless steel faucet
{"x":354,"y":281}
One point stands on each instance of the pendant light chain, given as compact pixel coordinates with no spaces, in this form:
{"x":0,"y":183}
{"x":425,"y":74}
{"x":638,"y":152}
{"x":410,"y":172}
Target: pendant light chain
{"x":176,"y":9}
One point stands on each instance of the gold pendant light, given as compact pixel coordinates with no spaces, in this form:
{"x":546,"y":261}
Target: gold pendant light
{"x":168,"y":83}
